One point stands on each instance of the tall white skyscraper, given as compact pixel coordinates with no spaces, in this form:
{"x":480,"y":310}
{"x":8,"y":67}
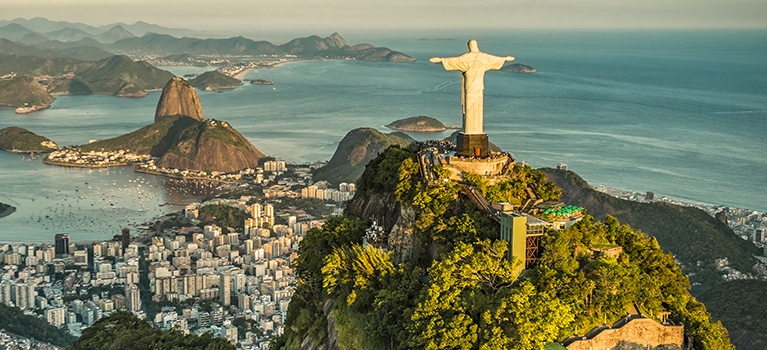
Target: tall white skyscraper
{"x":133,"y":298}
{"x":24,"y":296}
{"x":225,"y":288}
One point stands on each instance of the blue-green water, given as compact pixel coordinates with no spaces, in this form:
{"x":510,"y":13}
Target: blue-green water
{"x":678,"y":113}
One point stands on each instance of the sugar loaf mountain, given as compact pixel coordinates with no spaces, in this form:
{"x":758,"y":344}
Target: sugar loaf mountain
{"x":181,"y":138}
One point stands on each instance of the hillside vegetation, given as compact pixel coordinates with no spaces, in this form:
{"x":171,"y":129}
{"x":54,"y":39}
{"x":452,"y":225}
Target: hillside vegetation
{"x":119,"y":76}
{"x":355,"y":150}
{"x":740,"y":307}
{"x":33,"y":65}
{"x":418,"y":124}
{"x":13,"y":320}
{"x":154,"y":139}
{"x":459,"y":291}
{"x":689,"y":233}
{"x":214,"y":80}
{"x":16,"y":139}
{"x":23,"y":91}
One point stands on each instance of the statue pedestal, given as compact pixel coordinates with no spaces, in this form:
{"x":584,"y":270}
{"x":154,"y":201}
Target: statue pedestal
{"x":471,"y":145}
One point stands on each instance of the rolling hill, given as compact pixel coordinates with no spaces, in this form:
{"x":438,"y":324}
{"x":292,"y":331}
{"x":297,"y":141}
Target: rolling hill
{"x":354,"y":151}
{"x":119,"y":76}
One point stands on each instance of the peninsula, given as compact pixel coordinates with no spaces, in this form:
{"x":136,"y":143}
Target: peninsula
{"x":19,"y":140}
{"x":420,"y":124}
{"x":24,"y":93}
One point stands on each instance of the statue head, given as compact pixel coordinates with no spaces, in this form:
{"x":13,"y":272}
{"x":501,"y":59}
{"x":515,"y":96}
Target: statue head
{"x":473,"y":46}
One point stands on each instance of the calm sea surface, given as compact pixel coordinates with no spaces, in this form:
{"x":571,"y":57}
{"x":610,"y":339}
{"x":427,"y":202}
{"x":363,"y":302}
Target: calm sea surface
{"x":682,"y":114}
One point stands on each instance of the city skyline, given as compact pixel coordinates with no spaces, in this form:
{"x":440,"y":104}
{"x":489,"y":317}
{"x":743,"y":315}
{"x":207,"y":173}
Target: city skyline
{"x":291,"y":15}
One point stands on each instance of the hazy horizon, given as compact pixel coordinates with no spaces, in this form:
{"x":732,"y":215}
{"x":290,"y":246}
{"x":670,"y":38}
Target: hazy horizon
{"x":240,"y":16}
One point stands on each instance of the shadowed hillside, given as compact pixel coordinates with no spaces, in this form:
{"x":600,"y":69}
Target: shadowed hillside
{"x":354,"y":151}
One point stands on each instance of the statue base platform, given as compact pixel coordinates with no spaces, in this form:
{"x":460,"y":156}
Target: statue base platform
{"x":471,"y":145}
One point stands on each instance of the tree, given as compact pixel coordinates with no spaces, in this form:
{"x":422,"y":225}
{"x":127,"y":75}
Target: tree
{"x":473,"y":303}
{"x":123,"y":330}
{"x":356,"y":271}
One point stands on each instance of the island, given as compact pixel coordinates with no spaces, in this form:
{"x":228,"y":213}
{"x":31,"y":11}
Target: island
{"x":19,"y":140}
{"x":214,"y":80}
{"x":261,"y":82}
{"x":519,"y":68}
{"x":420,"y":124}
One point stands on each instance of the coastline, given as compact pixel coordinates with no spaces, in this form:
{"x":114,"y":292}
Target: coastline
{"x":241,"y":74}
{"x":628,"y":194}
{"x":74,"y":165}
{"x":22,"y":151}
{"x":431,"y":130}
{"x":144,"y":171}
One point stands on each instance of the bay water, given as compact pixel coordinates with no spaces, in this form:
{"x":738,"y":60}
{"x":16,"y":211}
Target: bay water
{"x":679,"y":113}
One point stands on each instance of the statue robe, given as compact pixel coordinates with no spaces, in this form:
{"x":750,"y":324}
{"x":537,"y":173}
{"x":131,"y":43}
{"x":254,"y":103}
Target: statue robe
{"x":473,"y":65}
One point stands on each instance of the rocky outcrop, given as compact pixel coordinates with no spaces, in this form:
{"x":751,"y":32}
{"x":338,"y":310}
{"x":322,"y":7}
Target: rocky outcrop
{"x":331,"y":341}
{"x":211,"y":146}
{"x":402,"y":238}
{"x":261,"y":82}
{"x":519,"y":68}
{"x":178,"y":98}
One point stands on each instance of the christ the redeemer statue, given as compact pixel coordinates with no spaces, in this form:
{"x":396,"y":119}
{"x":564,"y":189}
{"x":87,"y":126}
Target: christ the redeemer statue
{"x":472,"y":141}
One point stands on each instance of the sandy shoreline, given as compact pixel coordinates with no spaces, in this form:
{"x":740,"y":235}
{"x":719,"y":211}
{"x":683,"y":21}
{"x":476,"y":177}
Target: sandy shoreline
{"x":241,"y":75}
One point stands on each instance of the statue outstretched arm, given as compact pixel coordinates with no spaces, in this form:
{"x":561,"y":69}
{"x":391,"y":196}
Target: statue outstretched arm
{"x":509,"y":58}
{"x":435,"y":60}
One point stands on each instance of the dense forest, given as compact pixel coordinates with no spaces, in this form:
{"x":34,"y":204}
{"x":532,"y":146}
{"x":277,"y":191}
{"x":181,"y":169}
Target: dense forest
{"x":458,"y":291}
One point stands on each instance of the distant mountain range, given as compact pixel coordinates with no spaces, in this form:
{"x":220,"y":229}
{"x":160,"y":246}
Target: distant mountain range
{"x":118,"y":75}
{"x":75,"y":58}
{"x":42,"y":25}
{"x":48,"y":39}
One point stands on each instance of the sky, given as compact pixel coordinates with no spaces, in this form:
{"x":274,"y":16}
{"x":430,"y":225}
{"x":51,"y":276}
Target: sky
{"x":398,"y":15}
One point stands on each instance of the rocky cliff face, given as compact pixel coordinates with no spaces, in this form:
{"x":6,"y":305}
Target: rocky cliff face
{"x":178,"y":98}
{"x":211,"y":146}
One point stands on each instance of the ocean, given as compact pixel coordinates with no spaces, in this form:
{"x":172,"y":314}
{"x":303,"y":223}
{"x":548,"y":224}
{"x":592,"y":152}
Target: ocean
{"x":679,"y":113}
